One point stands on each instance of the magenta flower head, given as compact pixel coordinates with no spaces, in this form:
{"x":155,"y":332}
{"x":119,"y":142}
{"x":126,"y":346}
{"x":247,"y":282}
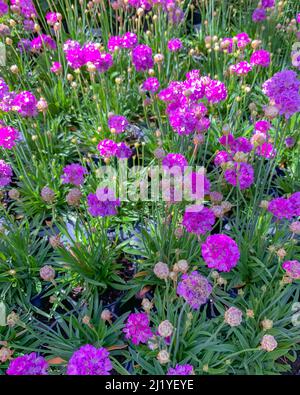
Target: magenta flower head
{"x":174,"y":45}
{"x":3,"y":88}
{"x":101,"y":60}
{"x":151,"y":85}
{"x":73,"y":174}
{"x":28,"y":365}
{"x":292,"y":269}
{"x":222,"y":157}
{"x":103,"y":203}
{"x":25,"y":104}
{"x":281,"y":208}
{"x":142,"y":57}
{"x":259,"y":15}
{"x":3,"y":8}
{"x":74,"y":54}
{"x":198,"y":220}
{"x":294,"y":199}
{"x":25,"y":7}
{"x":123,"y":151}
{"x":56,"y":68}
{"x":267,"y":150}
{"x":215,"y":91}
{"x":267,"y":3}
{"x":227,"y":44}
{"x":241,"y":176}
{"x":220,"y":252}
{"x":241,"y":68}
{"x":242,"y":40}
{"x":283,"y":89}
{"x":137,"y":328}
{"x":41,"y":42}
{"x":8,"y":136}
{"x":117,"y":123}
{"x":107,"y":148}
{"x":174,"y":160}
{"x":53,"y":17}
{"x":194,"y":288}
{"x":114,"y":43}
{"x":181,"y":370}
{"x":6,"y":173}
{"x":262,"y":126}
{"x":129,"y":40}
{"x":298,"y":18}
{"x":89,"y":361}
{"x":260,"y":58}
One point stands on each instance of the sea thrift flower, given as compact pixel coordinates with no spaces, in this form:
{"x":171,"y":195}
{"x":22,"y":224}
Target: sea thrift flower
{"x":227,"y":44}
{"x":41,"y":42}
{"x":194,"y":288}
{"x":73,"y":174}
{"x":281,"y":208}
{"x":142,"y":57}
{"x":233,"y":316}
{"x":26,"y":7}
{"x":292,"y":269}
{"x":174,"y":160}
{"x":294,"y":199}
{"x":267,"y":3}
{"x":5,"y":173}
{"x":24,"y":45}
{"x":259,"y":15}
{"x":74,"y":196}
{"x":283,"y":89}
{"x":117,"y":123}
{"x":8,"y":136}
{"x":174,"y":45}
{"x":3,"y":8}
{"x":28,"y":365}
{"x":198,"y":220}
{"x":290,"y":142}
{"x":89,"y":361}
{"x":5,"y":354}
{"x":163,"y":357}
{"x":25,"y":104}
{"x":42,"y":105}
{"x":215,"y":91}
{"x":242,"y":175}
{"x":260,"y":58}
{"x":220,"y":252}
{"x":56,"y":68}
{"x":268,"y":343}
{"x":3,"y":88}
{"x":165,"y":329}
{"x":137,"y":328}
{"x":107,"y":148}
{"x":266,"y":150}
{"x":47,"y":195}
{"x":161,"y":270}
{"x":151,"y":85}
{"x":123,"y":151}
{"x":242,"y":40}
{"x":241,"y":68}
{"x":295,"y":227}
{"x":28,"y":25}
{"x":222,"y":157}
{"x":53,"y":17}
{"x":47,"y":273}
{"x":129,"y":40}
{"x":181,"y":370}
{"x":103,"y":203}
{"x":74,"y":54}
{"x":114,"y":43}
{"x":262,"y":126}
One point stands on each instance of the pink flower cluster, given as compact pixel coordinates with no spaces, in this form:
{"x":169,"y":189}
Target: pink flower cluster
{"x":3,"y":88}
{"x":198,"y":220}
{"x":220,"y":252}
{"x":109,"y":148}
{"x":118,"y":123}
{"x":142,"y":57}
{"x":174,"y":45}
{"x":241,"y":68}
{"x":89,"y":361}
{"x":194,"y":288}
{"x":283,"y":89}
{"x":25,"y":104}
{"x":53,"y":17}
{"x":78,"y":56}
{"x":181,"y":370}
{"x":24,"y":7}
{"x":3,"y":8}
{"x":73,"y":174}
{"x":128,"y":41}
{"x":5,"y":173}
{"x":151,"y":85}
{"x":174,"y":160}
{"x":260,"y":58}
{"x":285,"y":208}
{"x":137,"y":328}
{"x":292,"y":269}
{"x":241,"y":176}
{"x":41,"y":42}
{"x":8,"y":136}
{"x":259,"y":15}
{"x":28,"y":365}
{"x":103,"y":203}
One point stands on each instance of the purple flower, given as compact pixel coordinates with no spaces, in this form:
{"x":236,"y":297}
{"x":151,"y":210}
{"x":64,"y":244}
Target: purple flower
{"x":123,"y":151}
{"x":89,"y":361}
{"x":267,"y":3}
{"x":241,"y":144}
{"x":28,"y":365}
{"x":292,"y":269}
{"x":241,"y":68}
{"x":262,"y":126}
{"x":220,"y":252}
{"x":25,"y":7}
{"x":174,"y":45}
{"x":137,"y":328}
{"x":114,"y":43}
{"x":8,"y":136}
{"x":101,"y":60}
{"x":5,"y":173}
{"x":74,"y":54}
{"x":260,"y":58}
{"x":151,"y":84}
{"x":107,"y":148}
{"x":227,"y":43}
{"x":56,"y":68}
{"x":24,"y":45}
{"x":259,"y":15}
{"x":294,"y":199}
{"x":174,"y":160}
{"x":129,"y":40}
{"x":281,"y":208}
{"x":142,"y":57}
{"x":52,"y":18}
{"x":118,"y":123}
{"x":242,"y":175}
{"x":290,"y":142}
{"x":181,"y":370}
{"x":73,"y":174}
{"x":194,"y":288}
{"x":38,"y":43}
{"x":103,"y":203}
{"x":3,"y":8}
{"x":242,"y":40}
{"x":198,"y":220}
{"x":28,"y":25}
{"x":215,"y":91}
{"x":3,"y":88}
{"x":25,"y":103}
{"x":222,"y":157}
{"x":266,"y":150}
